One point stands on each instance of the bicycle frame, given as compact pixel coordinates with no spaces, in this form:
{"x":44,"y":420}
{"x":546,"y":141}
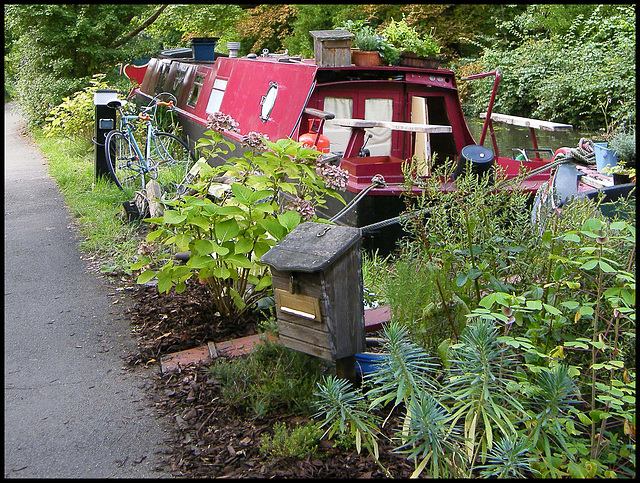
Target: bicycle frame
{"x":157,"y":160}
{"x":126,"y":126}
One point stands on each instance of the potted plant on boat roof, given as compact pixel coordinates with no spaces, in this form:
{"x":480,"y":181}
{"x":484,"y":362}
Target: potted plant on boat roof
{"x":366,"y":44}
{"x":623,"y":143}
{"x":366,"y":39}
{"x":415,"y":50}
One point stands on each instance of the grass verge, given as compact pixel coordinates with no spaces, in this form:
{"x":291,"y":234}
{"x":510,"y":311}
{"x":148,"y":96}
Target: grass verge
{"x":95,"y":204}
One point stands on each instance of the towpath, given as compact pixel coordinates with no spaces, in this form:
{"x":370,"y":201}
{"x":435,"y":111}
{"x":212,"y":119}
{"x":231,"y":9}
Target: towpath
{"x":71,"y":410}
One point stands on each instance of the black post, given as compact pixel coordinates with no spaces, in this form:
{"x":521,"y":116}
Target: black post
{"x":346,"y":369}
{"x":105,"y":121}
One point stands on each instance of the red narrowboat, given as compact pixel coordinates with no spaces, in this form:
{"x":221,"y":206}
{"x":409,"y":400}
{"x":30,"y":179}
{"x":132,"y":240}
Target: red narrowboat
{"x":371,"y":119}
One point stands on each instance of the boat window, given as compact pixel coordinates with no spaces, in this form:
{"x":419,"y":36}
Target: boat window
{"x":161,"y":78}
{"x":379,"y":110}
{"x":268,"y":101}
{"x":338,"y":136}
{"x":217,"y":93}
{"x":177,"y":80}
{"x":195,"y":90}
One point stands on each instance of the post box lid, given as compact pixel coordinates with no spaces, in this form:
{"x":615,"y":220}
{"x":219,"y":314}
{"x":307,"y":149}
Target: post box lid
{"x":331,"y":34}
{"x":311,"y":247}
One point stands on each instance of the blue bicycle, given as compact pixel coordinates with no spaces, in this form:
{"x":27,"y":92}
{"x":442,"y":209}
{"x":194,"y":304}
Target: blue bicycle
{"x":166,"y":157}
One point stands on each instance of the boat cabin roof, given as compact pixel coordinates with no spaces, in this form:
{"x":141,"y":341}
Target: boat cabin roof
{"x":269,"y":94}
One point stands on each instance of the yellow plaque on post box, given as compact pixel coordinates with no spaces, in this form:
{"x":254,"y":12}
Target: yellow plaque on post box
{"x":298,"y":305}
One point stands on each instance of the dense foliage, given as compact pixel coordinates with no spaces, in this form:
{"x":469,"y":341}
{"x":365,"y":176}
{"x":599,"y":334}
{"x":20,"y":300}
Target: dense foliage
{"x":534,"y":373}
{"x":55,"y":49}
{"x":565,"y":63}
{"x":572,"y":64}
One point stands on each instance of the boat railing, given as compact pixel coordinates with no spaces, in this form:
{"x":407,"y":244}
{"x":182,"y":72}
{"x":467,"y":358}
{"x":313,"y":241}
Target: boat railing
{"x":490,"y":116}
{"x":530,"y":123}
{"x":492,"y":100}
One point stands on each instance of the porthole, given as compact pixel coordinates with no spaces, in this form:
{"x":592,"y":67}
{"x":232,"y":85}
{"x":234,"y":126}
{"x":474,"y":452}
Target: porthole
{"x":268,"y":101}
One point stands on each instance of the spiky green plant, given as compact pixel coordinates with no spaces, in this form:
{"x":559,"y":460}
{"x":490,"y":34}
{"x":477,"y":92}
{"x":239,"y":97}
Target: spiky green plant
{"x":509,"y":458}
{"x":431,"y":438}
{"x":478,"y":385}
{"x":404,"y":370}
{"x":343,"y":409}
{"x":554,"y":394}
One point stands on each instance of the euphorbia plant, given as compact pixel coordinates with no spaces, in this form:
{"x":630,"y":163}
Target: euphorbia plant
{"x":227,"y":227}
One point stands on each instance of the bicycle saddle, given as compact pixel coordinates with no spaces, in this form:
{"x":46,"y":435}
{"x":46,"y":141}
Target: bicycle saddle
{"x":116,"y":103}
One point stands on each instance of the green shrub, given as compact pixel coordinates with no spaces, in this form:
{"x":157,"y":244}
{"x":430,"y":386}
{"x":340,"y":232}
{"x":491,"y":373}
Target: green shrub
{"x":624,"y":144}
{"x":269,"y":379}
{"x":299,"y":442}
{"x":273,"y":188}
{"x":584,"y":75}
{"x":366,"y":39}
{"x":406,"y":38}
{"x":75,"y":116}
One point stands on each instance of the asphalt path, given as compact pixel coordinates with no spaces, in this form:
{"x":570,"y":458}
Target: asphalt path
{"x":71,"y":408}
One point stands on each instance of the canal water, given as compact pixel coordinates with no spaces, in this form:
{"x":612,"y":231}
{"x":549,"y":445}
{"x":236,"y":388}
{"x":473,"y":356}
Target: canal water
{"x":509,"y":137}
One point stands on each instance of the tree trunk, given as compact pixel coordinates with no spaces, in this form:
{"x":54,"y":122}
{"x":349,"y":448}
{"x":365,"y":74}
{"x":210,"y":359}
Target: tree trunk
{"x":135,"y":32}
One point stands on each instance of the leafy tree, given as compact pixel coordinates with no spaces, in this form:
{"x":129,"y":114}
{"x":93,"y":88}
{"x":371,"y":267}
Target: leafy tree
{"x":312,"y":17}
{"x":266,"y":27}
{"x":56,"y":48}
{"x":182,"y":22}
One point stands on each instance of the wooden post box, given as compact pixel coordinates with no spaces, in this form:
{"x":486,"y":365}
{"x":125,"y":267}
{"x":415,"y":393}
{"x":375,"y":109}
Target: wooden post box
{"x":332,"y":48}
{"x":317,"y":281}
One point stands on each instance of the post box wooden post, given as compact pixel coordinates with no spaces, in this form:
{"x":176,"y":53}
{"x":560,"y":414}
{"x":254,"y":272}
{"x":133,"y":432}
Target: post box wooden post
{"x":317,"y":282}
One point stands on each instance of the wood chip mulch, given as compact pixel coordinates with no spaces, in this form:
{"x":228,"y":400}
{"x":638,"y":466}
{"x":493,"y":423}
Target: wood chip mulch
{"x":211,"y":439}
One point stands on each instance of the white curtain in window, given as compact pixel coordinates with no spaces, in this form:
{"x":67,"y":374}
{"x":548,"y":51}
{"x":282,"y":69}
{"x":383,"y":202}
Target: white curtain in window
{"x":379,"y":110}
{"x":338,"y":136}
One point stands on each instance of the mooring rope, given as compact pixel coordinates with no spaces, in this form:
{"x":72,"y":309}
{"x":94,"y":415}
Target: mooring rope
{"x":584,"y":152}
{"x":376,"y":181}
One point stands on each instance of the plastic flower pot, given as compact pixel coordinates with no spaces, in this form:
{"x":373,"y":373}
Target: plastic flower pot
{"x":605,"y":156}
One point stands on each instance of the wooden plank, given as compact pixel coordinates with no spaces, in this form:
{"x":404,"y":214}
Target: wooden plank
{"x":304,"y":284}
{"x":292,"y":319}
{"x":422,"y":149}
{"x":396,"y":126}
{"x":600,"y":182}
{"x":318,"y":113}
{"x":305,"y":334}
{"x":306,"y":348}
{"x":526,"y":122}
{"x":338,"y":34}
{"x":154,"y":194}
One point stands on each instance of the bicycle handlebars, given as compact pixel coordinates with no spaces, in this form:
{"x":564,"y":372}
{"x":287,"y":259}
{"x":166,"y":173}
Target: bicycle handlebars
{"x":142,"y":116}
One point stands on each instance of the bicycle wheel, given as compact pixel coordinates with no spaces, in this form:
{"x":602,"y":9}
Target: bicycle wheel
{"x":169,"y":162}
{"x":123,"y":162}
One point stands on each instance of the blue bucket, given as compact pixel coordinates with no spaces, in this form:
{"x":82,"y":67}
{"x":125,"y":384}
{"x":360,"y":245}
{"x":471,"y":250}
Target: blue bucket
{"x":605,"y":156}
{"x":368,"y":362}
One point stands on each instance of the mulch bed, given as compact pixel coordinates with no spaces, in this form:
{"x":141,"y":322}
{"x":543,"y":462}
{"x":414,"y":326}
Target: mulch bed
{"x":211,"y":439}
